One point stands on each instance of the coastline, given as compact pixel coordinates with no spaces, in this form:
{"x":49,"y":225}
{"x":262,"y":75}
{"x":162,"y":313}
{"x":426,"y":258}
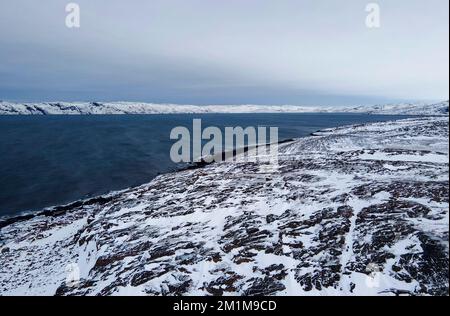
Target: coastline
{"x":187,"y":226}
{"x":57,"y":210}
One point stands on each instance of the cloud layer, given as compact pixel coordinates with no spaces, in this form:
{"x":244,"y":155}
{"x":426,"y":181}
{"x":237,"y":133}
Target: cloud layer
{"x":217,"y":52}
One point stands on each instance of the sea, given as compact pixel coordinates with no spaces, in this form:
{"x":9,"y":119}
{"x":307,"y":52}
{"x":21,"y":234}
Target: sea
{"x":53,"y":160}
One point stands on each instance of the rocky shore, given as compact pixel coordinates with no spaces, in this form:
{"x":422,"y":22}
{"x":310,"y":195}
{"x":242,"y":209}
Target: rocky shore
{"x":358,"y":210}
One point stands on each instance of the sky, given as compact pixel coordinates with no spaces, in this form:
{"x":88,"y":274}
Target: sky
{"x":303,"y":52}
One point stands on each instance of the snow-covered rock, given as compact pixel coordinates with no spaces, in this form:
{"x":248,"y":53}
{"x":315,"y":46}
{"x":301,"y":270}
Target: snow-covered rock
{"x":353,"y":210}
{"x":151,"y":108}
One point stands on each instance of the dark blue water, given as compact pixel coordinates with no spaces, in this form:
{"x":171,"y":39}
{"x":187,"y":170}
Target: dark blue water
{"x":51,"y":160}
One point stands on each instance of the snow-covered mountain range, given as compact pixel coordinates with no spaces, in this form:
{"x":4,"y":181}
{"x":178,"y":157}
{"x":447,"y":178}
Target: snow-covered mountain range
{"x":354,"y":210}
{"x":151,"y":108}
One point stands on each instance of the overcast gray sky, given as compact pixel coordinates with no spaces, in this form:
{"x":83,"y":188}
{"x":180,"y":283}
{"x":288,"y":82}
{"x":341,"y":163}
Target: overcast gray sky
{"x":308,"y":52}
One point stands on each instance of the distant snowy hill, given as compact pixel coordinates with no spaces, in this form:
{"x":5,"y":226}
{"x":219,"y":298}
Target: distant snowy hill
{"x":151,"y":108}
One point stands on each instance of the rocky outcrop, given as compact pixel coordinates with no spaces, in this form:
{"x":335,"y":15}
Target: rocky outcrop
{"x":354,"y":210}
